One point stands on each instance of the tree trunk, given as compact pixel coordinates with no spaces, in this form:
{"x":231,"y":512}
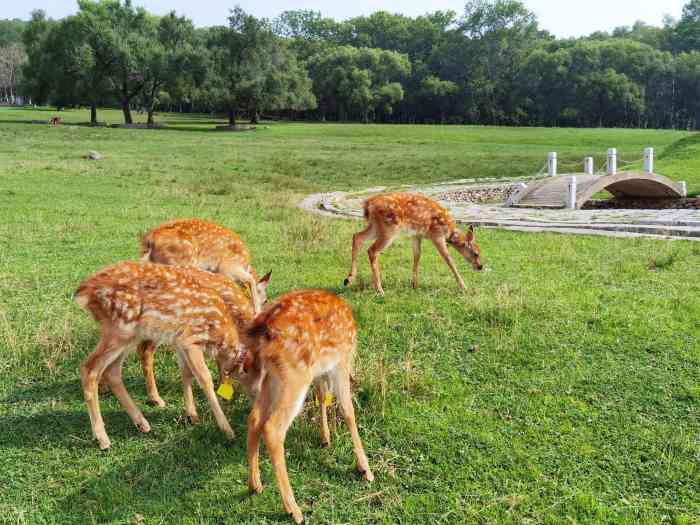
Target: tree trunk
{"x":254,"y":117}
{"x":127,"y":112}
{"x":93,"y":114}
{"x":151,"y":110}
{"x":232,"y":118}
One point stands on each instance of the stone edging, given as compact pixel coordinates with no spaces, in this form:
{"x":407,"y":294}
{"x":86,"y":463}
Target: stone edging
{"x":662,"y":224}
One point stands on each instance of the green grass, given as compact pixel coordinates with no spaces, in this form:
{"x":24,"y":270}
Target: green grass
{"x":581,"y":405}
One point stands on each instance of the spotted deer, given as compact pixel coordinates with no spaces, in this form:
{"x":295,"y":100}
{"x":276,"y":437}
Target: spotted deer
{"x":208,"y":246}
{"x":303,"y":338}
{"x":387,"y":215}
{"x":136,"y":302}
{"x":240,"y":309}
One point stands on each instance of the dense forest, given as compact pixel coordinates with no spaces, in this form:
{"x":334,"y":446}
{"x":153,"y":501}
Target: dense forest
{"x":492,"y":64}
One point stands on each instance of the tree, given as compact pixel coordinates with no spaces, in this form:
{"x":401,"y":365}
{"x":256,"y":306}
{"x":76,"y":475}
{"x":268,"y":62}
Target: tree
{"x":12,"y":58}
{"x":11,"y":31}
{"x":241,"y":58}
{"x":686,"y":34}
{"x":37,"y":71}
{"x":500,"y":34}
{"x":349,"y":80}
{"x":174,"y":57}
{"x":688,"y":98}
{"x":123,"y":40}
{"x":438,"y":94}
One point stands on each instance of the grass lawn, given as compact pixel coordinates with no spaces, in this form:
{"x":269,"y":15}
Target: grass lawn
{"x":582,"y":404}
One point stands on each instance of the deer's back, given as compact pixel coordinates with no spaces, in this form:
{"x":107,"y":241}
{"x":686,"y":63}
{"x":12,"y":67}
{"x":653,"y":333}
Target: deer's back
{"x":193,"y":242}
{"x":307,"y":328}
{"x":409,"y":210}
{"x":158,"y":303}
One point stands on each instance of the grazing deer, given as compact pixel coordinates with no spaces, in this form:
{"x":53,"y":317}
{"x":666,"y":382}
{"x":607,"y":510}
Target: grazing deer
{"x":388,"y":214}
{"x":240,"y":308}
{"x":304,"y":337}
{"x":208,"y":246}
{"x":139,"y":301}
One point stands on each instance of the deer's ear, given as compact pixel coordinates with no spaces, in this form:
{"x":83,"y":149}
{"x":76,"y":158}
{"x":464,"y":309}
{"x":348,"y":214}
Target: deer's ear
{"x":265,"y":281}
{"x":470,"y":233}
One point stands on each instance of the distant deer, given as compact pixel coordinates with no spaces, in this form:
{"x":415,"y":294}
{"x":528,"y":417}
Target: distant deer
{"x":136,"y":302}
{"x":54,"y":121}
{"x":388,"y":214}
{"x":208,"y":246}
{"x":304,"y":337}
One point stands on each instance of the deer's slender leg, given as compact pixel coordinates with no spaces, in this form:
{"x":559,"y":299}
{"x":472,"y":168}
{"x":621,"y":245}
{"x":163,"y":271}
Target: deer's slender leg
{"x":342,"y":383}
{"x":114,"y":378}
{"x":441,"y":246}
{"x":146,"y":351}
{"x":188,"y":397}
{"x":108,"y":350}
{"x":383,"y":241}
{"x":357,"y":241}
{"x":256,"y":419}
{"x":416,"y":258}
{"x":321,"y":390}
{"x":275,"y":429}
{"x":195,"y":360}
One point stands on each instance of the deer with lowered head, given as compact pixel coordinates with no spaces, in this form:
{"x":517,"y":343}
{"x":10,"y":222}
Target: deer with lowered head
{"x":142,"y":302}
{"x":208,"y":246}
{"x":387,"y":215}
{"x":303,"y":338}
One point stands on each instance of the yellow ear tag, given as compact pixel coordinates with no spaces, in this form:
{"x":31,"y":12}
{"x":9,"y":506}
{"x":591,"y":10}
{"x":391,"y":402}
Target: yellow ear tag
{"x":328,"y":400}
{"x":225,"y":391}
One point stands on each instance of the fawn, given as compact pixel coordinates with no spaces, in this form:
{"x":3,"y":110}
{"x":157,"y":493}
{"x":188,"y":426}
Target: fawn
{"x":240,"y":309}
{"x":304,"y":337}
{"x":205,"y":245}
{"x":388,"y":214}
{"x":140,"y":301}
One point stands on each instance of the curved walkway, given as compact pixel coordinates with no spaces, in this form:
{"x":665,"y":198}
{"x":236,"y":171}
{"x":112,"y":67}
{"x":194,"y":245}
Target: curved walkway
{"x":669,"y":224}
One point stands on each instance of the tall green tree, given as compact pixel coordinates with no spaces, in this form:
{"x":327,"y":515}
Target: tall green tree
{"x":349,"y":80}
{"x":686,"y":34}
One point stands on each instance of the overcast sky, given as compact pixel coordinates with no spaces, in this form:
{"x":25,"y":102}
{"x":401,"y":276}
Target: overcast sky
{"x":561,"y":17}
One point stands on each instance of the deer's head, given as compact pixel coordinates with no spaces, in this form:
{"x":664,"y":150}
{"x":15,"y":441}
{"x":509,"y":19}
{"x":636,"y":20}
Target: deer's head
{"x":465,"y":244}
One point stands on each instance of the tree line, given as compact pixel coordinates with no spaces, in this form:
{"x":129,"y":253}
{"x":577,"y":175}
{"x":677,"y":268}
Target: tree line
{"x":491,"y":65}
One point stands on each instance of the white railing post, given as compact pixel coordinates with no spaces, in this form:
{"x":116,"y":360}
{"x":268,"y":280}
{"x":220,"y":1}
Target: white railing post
{"x":684,"y":188}
{"x":612,"y":161}
{"x":571,"y":204}
{"x":552,"y":164}
{"x":588,"y":165}
{"x":649,"y":160}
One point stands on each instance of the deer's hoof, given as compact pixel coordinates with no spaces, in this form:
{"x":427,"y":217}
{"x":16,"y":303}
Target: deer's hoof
{"x":156,"y":402}
{"x":143,"y":426}
{"x":367,"y":474}
{"x":192,"y":419}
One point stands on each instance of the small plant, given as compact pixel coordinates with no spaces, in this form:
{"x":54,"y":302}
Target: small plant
{"x":663,"y":261}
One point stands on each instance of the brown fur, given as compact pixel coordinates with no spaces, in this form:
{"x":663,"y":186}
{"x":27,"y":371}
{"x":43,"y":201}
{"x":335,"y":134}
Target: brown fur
{"x":387,"y":215}
{"x":137,"y":302}
{"x":204,"y":245}
{"x":306,"y":337}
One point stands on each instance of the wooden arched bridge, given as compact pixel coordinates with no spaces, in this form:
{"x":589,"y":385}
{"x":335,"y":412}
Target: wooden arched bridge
{"x":556,"y":192}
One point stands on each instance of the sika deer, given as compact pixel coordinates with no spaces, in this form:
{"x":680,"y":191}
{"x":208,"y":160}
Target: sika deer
{"x":302,"y":338}
{"x":388,"y":214}
{"x":240,"y":309}
{"x":208,"y":246}
{"x":139,"y":301}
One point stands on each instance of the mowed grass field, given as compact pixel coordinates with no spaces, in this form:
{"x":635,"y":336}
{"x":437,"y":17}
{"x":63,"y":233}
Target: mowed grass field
{"x":581,"y":405}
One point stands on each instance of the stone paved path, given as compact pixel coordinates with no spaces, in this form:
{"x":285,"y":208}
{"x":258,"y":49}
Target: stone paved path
{"x":670,"y":224}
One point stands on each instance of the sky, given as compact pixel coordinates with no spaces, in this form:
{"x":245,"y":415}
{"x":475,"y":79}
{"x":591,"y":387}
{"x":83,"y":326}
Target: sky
{"x":563,"y":18}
